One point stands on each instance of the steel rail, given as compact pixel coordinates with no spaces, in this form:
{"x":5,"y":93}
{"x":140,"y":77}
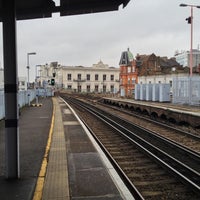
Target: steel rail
{"x":153,"y":121}
{"x":133,"y":190}
{"x":185,"y":173}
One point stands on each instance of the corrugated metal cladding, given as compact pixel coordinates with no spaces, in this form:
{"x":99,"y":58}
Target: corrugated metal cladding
{"x":30,"y":9}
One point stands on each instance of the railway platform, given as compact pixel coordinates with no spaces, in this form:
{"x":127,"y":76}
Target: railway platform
{"x":58,"y":158}
{"x":172,"y":112}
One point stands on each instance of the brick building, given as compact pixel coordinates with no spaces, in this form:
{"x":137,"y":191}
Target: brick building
{"x":128,"y":73}
{"x":156,"y":65}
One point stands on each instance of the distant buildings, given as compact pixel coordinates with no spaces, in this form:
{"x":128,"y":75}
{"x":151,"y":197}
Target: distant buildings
{"x":22,"y":83}
{"x":183,"y":58}
{"x":128,"y":73}
{"x":156,"y":65}
{"x":100,"y":78}
{"x":147,"y":69}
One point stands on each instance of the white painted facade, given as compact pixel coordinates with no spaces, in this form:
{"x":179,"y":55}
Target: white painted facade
{"x":99,"y":78}
{"x":22,"y":83}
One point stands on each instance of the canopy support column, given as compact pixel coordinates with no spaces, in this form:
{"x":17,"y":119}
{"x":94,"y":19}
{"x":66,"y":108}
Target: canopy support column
{"x":11,"y":90}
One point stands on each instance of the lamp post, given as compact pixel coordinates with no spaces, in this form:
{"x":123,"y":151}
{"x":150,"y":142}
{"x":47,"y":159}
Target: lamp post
{"x":36,"y":74}
{"x":28,"y":67}
{"x":190,"y":21}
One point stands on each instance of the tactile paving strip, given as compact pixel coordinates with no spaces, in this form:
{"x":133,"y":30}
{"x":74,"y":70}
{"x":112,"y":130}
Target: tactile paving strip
{"x":56,"y":185}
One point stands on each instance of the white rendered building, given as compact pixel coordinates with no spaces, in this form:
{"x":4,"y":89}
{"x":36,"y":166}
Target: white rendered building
{"x":100,"y":78}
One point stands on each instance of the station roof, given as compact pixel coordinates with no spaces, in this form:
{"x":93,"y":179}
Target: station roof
{"x":30,"y":9}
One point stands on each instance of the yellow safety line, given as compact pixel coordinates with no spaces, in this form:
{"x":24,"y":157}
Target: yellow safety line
{"x":42,"y":173}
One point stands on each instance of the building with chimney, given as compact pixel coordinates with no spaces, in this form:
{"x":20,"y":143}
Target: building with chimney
{"x":128,"y":73}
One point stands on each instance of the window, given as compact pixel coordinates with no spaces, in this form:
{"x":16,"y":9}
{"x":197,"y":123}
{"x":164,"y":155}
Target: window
{"x":88,"y":88}
{"x":96,"y":88}
{"x":129,"y":69}
{"x":22,"y":83}
{"x":79,"y":88}
{"x":69,"y":77}
{"x":112,"y":88}
{"x":79,"y":76}
{"x":96,"y":77}
{"x":133,"y":69}
{"x":88,"y":77}
{"x":104,"y":88}
{"x":104,"y":77}
{"x":112,"y":77}
{"x":69,"y":87}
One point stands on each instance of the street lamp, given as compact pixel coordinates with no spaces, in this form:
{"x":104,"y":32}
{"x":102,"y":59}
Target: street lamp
{"x":28,"y":67}
{"x":36,"y":73}
{"x":190,"y":21}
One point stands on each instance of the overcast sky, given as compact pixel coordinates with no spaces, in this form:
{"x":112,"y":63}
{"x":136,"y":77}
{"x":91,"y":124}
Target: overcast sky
{"x":145,"y":26}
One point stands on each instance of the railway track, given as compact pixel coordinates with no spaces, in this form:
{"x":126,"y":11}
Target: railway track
{"x":141,"y":156}
{"x":182,"y":135}
{"x":172,"y":132}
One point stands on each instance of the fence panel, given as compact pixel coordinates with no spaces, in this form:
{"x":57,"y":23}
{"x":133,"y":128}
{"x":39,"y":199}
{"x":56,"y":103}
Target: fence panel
{"x":2,"y":107}
{"x":22,"y":100}
{"x":186,"y":90}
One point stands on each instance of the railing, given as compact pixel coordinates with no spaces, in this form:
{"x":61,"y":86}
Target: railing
{"x":79,"y":80}
{"x":23,"y":98}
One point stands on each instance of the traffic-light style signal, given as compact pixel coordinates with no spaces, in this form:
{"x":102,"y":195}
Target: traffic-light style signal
{"x":52,"y":81}
{"x":189,"y":20}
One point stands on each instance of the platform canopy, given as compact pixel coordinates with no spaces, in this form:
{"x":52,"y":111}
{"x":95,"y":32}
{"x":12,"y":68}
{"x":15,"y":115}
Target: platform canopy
{"x":30,"y":9}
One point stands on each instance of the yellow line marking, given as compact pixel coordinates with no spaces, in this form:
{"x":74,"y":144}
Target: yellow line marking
{"x":40,"y":181}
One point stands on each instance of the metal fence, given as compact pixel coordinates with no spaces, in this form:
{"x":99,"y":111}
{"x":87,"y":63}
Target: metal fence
{"x":2,"y":109}
{"x":186,"y":90}
{"x":24,"y":97}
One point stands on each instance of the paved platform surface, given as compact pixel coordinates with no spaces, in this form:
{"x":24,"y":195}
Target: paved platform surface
{"x":34,"y":123}
{"x":74,"y":169}
{"x":89,"y":178}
